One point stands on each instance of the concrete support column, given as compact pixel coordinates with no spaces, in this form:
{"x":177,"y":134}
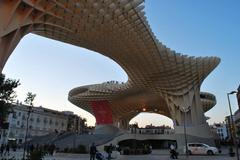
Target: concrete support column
{"x":197,"y":133}
{"x":104,"y":119}
{"x":124,"y":124}
{"x":197,"y":129}
{"x":102,"y":112}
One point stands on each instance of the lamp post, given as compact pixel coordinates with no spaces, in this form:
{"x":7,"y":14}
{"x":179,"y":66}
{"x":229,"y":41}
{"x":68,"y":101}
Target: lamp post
{"x":233,"y":132}
{"x":185,"y":110}
{"x":25,"y":138}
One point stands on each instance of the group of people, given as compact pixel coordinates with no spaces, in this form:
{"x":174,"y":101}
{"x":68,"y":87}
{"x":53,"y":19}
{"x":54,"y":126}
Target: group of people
{"x":95,"y":154}
{"x":46,"y":148}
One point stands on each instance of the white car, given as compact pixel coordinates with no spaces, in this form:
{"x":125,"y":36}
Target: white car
{"x":200,"y":148}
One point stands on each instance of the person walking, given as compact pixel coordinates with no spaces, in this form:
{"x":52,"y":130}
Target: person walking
{"x":109,"y":151}
{"x":7,"y":149}
{"x":2,"y":149}
{"x":31,"y":148}
{"x":173,"y":152}
{"x":93,"y":151}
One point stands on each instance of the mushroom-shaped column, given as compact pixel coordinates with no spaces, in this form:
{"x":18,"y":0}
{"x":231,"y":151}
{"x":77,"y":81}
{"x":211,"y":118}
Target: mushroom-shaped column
{"x":104,"y":118}
{"x":102,"y":112}
{"x":188,"y":110}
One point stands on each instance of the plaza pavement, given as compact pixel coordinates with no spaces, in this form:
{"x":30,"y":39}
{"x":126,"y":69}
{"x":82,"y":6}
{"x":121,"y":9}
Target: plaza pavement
{"x":156,"y":155}
{"x":145,"y":157}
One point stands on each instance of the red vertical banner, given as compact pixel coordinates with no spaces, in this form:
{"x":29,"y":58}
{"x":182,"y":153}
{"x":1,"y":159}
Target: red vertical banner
{"x":102,"y":112}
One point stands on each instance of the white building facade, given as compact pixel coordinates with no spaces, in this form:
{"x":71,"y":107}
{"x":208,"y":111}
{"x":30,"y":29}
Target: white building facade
{"x":221,"y":130}
{"x":42,"y":121}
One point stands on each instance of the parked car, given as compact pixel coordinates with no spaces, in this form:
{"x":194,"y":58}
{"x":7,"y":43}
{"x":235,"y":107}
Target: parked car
{"x":200,"y":148}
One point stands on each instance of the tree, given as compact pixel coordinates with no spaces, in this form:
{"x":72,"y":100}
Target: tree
{"x":134,"y":127}
{"x":30,"y":98}
{"x":7,"y":95}
{"x":84,"y":120}
{"x":83,"y":125}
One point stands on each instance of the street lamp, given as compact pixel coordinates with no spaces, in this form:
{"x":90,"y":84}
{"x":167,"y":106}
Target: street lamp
{"x":25,"y":139}
{"x":233,"y":132}
{"x":185,"y":110}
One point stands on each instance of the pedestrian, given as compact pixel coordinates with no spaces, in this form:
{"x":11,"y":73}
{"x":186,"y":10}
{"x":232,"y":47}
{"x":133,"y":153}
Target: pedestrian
{"x":51,"y":149}
{"x":150,"y":148}
{"x":2,"y":149}
{"x":109,"y":151}
{"x":173,"y":153}
{"x":93,"y":151}
{"x":14,"y":147}
{"x":31,"y":148}
{"x":28,"y":148}
{"x":7,"y":149}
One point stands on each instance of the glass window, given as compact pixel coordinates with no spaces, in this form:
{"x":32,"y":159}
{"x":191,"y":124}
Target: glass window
{"x":204,"y":145}
{"x":199,"y":145}
{"x":23,"y":117}
{"x":14,"y":115}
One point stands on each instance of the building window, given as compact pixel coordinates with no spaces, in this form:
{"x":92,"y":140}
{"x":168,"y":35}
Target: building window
{"x":14,"y":115}
{"x":20,"y":141}
{"x":31,"y":119}
{"x":45,"y":120}
{"x":50,"y":121}
{"x":19,"y":114}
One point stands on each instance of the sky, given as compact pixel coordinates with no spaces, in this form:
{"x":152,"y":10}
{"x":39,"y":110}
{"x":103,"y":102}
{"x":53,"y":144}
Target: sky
{"x":51,"y":69}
